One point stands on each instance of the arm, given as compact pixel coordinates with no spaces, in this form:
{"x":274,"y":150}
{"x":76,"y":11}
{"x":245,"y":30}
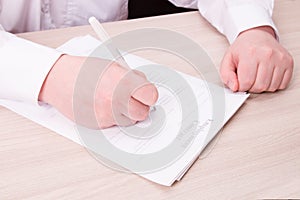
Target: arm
{"x":23,"y":67}
{"x":30,"y":73}
{"x":231,"y":17}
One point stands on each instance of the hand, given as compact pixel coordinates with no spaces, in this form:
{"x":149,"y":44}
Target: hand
{"x":256,"y":62}
{"x":112,"y":94}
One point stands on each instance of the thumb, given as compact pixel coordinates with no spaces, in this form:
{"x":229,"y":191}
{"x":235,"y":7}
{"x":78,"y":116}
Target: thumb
{"x":147,"y":94}
{"x":228,"y":72}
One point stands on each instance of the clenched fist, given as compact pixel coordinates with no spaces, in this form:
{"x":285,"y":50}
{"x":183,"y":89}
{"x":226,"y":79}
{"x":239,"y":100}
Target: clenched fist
{"x":256,"y":62}
{"x":113,"y":94}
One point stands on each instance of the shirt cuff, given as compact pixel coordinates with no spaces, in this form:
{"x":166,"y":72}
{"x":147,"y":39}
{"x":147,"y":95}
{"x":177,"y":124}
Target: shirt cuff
{"x":243,"y":17}
{"x":24,"y":66}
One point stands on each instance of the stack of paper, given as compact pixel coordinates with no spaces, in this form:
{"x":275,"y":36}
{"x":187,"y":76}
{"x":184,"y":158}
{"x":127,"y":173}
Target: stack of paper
{"x":49,"y":117}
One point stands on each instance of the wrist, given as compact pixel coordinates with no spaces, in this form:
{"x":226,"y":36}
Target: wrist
{"x":267,"y":29}
{"x":60,"y":81}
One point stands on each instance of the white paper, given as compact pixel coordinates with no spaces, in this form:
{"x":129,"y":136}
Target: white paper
{"x":49,"y":117}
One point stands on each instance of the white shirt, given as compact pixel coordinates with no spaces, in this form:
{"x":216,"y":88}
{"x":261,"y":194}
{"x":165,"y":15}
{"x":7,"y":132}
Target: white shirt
{"x":32,"y":15}
{"x":24,"y":65}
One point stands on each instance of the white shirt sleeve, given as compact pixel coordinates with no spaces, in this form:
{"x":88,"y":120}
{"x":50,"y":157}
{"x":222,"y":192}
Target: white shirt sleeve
{"x":231,"y":17}
{"x":24,"y":66}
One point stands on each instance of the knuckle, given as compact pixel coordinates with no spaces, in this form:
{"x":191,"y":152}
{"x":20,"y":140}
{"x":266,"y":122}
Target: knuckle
{"x":290,"y":61}
{"x":255,"y":90}
{"x":105,"y":122}
{"x":282,"y":86}
{"x":132,"y":112}
{"x":252,"y":50}
{"x":272,"y":89}
{"x":268,"y":52}
{"x":281,"y":56}
{"x":103,"y":126}
{"x":138,"y":112}
{"x":133,"y":122}
{"x":286,"y":61}
{"x":246,"y":84}
{"x":261,"y":88}
{"x":114,"y":66}
{"x":140,"y":73}
{"x":143,"y":113}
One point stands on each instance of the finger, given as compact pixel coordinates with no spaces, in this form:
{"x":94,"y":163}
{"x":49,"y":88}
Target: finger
{"x":246,"y":72}
{"x":277,"y":78}
{"x":287,"y":63}
{"x":135,"y":110}
{"x":286,"y":79}
{"x":263,"y":78}
{"x":104,"y":125}
{"x":146,"y":94}
{"x":131,"y":82}
{"x":139,"y":87}
{"x":228,"y":72}
{"x":105,"y":114}
{"x":140,"y":73}
{"x":122,"y":120}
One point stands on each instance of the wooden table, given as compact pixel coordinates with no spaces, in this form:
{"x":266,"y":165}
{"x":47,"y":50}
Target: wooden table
{"x":256,"y":156}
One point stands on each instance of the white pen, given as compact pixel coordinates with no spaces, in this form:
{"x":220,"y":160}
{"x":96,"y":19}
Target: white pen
{"x":103,"y":36}
{"x":98,"y":28}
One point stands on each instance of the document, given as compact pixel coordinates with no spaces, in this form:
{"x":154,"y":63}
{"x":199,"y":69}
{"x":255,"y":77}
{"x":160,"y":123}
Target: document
{"x":119,"y":139}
